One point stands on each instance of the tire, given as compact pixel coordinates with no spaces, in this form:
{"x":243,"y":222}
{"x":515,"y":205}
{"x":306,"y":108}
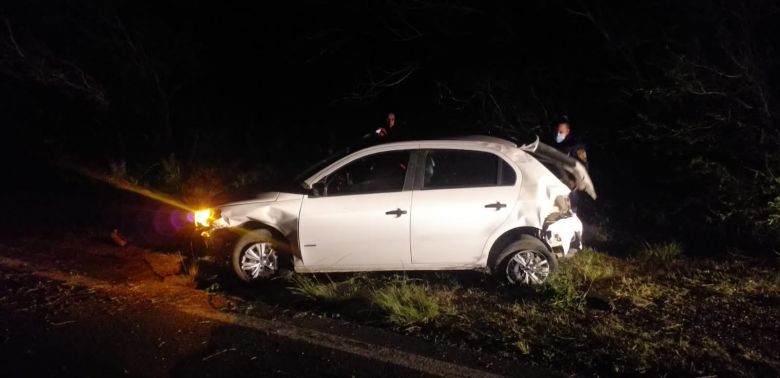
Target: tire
{"x":525,"y":262}
{"x":256,"y":248}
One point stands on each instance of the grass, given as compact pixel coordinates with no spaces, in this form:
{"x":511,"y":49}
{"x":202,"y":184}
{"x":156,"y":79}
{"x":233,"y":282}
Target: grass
{"x":659,"y":252}
{"x":310,"y":287}
{"x":192,"y":271}
{"x":409,"y":304}
{"x":638,"y":289}
{"x":687,"y":317}
{"x":577,"y":276}
{"x":404,"y":303}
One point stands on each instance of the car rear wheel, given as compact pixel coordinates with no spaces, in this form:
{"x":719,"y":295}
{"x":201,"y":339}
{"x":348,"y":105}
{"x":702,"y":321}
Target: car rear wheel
{"x":526,"y":262}
{"x":255,"y":256}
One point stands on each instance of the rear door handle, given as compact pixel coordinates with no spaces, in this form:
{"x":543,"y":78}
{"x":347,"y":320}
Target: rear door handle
{"x":397,"y":212}
{"x":497,"y":205}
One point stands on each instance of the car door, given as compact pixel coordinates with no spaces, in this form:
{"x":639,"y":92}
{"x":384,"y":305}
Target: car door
{"x":360,"y":218}
{"x":460,"y":200}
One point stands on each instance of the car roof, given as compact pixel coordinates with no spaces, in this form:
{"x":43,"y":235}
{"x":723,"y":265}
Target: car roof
{"x":484,"y":139}
{"x":480,"y":140}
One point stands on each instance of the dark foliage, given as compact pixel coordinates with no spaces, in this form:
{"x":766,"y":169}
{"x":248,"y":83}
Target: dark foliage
{"x":676,"y":100}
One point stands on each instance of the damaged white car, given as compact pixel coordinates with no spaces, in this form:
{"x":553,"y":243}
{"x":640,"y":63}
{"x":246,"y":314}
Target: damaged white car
{"x":456,"y":204}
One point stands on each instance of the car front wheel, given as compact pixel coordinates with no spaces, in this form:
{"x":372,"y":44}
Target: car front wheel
{"x":526,"y":262}
{"x":255,"y":256}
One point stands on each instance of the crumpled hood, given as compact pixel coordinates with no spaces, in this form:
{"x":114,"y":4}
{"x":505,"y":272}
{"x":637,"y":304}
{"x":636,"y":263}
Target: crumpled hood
{"x":259,"y":197}
{"x":239,"y":208}
{"x":276,"y":209}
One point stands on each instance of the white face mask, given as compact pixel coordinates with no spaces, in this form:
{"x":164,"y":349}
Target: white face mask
{"x":560,"y":137}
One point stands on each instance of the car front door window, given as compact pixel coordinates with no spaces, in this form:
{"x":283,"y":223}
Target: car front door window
{"x":378,"y":173}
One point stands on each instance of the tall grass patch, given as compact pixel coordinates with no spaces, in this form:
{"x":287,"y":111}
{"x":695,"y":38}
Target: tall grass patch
{"x":409,"y":304}
{"x":659,"y":252}
{"x":312,"y":288}
{"x":577,"y":276}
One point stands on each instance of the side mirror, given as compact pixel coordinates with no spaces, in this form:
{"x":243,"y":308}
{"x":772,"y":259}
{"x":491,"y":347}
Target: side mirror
{"x":319,"y":189}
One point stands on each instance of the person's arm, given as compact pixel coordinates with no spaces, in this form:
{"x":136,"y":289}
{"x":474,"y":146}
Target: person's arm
{"x":378,"y":133}
{"x":581,"y":154}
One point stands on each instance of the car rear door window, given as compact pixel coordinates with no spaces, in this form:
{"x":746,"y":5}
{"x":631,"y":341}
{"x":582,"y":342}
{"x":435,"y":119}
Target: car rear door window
{"x":445,"y":169}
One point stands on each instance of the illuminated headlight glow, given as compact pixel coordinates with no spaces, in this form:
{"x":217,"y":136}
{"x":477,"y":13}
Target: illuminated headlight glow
{"x":203,"y":217}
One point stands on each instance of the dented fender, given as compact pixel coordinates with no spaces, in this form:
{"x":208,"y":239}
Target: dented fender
{"x":279,"y":211}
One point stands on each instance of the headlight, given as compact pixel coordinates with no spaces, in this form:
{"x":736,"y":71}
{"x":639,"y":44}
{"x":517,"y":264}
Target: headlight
{"x":203,"y":217}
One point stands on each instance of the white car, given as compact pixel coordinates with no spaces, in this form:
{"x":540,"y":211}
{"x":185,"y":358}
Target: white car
{"x":456,"y":204}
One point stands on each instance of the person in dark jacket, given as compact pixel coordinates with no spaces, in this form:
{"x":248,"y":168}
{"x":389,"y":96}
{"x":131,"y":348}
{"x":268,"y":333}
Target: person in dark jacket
{"x":574,"y":148}
{"x":569,"y":144}
{"x":386,"y":130}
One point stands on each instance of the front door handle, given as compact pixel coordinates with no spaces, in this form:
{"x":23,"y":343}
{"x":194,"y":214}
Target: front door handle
{"x":397,"y":212}
{"x":498,"y":205}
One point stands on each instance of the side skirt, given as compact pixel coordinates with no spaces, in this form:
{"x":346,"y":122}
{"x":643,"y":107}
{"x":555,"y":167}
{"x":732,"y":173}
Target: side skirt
{"x":299,"y":268}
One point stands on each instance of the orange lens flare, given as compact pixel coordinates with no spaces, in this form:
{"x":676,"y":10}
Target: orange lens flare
{"x":203,"y":217}
{"x":129,"y":186}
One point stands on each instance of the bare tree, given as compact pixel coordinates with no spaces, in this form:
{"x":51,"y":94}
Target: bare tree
{"x":373,"y":85}
{"x":35,"y":62}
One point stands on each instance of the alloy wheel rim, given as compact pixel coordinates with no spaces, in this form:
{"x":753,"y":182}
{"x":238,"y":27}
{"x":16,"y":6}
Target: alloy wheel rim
{"x":528,"y":267}
{"x":259,"y":260}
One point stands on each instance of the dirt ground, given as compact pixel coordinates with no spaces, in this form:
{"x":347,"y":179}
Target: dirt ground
{"x":87,"y":308}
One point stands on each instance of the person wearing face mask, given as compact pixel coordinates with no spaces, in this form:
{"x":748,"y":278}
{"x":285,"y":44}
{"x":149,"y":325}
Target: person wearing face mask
{"x":569,"y":144}
{"x":574,"y":148}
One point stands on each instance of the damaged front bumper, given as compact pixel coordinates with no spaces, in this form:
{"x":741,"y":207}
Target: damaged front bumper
{"x":564,"y":235}
{"x":206,"y":231}
{"x":212,"y":238}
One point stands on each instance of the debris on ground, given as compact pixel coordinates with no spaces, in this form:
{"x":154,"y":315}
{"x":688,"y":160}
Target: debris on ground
{"x":117,"y":238}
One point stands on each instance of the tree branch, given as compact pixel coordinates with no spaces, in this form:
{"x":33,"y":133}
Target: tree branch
{"x":11,"y":37}
{"x":373,"y":87}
